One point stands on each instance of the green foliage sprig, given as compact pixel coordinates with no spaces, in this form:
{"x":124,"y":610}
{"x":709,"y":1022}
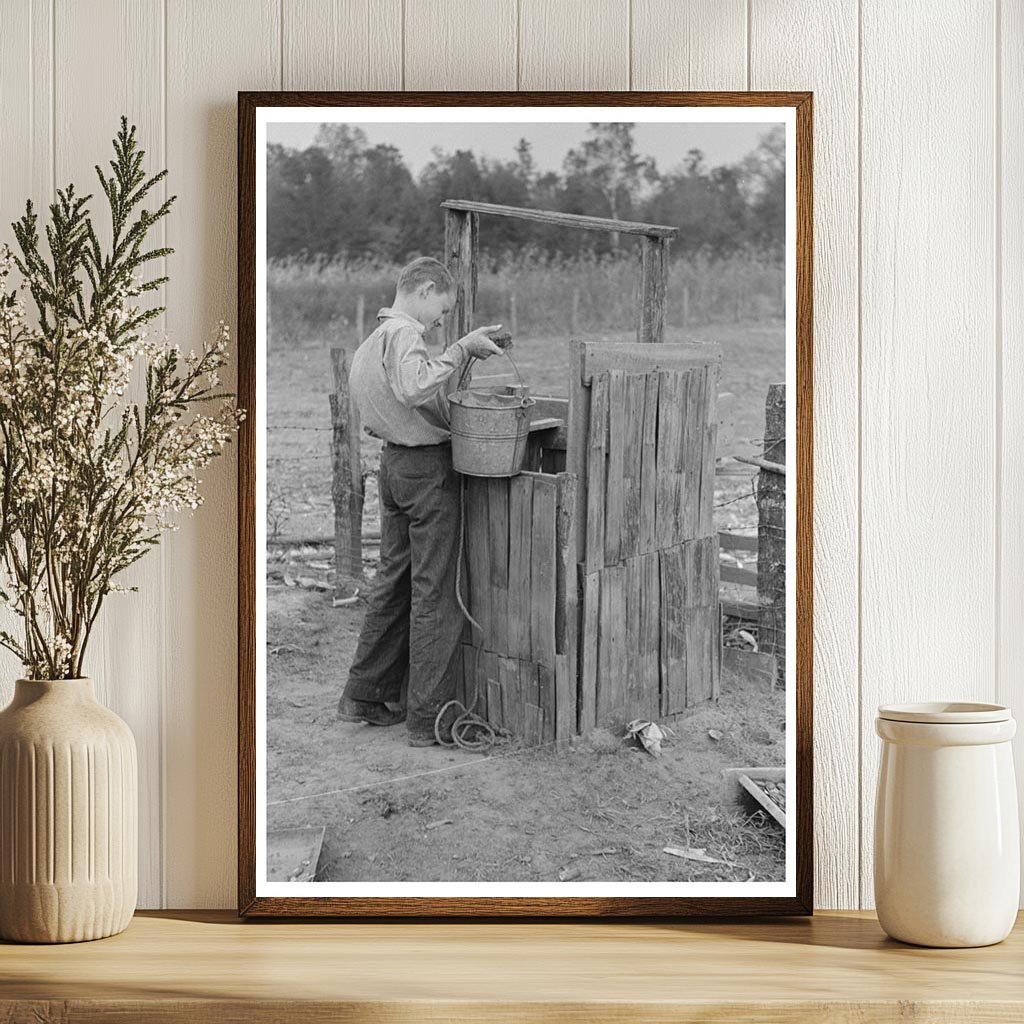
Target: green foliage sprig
{"x":89,"y":477}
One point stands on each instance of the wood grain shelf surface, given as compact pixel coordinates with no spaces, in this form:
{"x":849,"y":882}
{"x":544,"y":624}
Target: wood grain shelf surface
{"x":208,"y":966}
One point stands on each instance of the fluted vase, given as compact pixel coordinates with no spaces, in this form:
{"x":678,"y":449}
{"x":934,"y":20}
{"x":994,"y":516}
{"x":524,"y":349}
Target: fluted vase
{"x":68,"y":815}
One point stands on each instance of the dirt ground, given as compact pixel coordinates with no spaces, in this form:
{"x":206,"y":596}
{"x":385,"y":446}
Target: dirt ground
{"x":600,"y":809}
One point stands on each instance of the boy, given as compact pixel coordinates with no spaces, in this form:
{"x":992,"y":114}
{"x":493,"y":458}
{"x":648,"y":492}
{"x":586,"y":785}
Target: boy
{"x":413,"y":625}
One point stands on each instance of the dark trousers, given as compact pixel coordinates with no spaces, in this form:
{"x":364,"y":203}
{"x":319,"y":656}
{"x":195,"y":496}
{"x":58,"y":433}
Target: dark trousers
{"x":413,"y":624}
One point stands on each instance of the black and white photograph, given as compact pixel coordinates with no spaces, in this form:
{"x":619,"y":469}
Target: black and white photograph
{"x":525,"y":559}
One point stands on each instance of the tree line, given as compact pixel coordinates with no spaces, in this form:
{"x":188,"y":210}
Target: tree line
{"x":341,"y":198}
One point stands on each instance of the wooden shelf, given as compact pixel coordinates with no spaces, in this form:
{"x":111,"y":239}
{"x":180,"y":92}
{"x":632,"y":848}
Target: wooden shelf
{"x":208,"y":966}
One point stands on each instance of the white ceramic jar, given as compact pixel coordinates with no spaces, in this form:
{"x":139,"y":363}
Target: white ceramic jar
{"x":947,"y":847}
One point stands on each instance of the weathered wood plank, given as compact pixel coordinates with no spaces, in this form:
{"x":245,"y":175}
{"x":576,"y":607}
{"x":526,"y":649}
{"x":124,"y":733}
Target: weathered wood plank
{"x":632,"y":477}
{"x":461,"y":242}
{"x":478,"y":554}
{"x":611,"y":682}
{"x":634,"y":703}
{"x":565,"y":698}
{"x":577,"y":452}
{"x":511,"y":704}
{"x":520,"y":521}
{"x":597,"y":475}
{"x":647,"y":540}
{"x":669,"y":456}
{"x":706,"y":523}
{"x":737,"y":541}
{"x":631,"y":357}
{"x":572,"y":220}
{"x":650,"y":328}
{"x":495,"y":710}
{"x":533,"y":725}
{"x":497,"y":526}
{"x":672,"y":645}
{"x":547,"y":699}
{"x":542,"y":572}
{"x":650,"y":633}
{"x":615,"y":483}
{"x":590,"y":645}
{"x":732,"y":574}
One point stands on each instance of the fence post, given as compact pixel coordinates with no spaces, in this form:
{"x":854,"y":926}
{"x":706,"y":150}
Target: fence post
{"x":360,"y":318}
{"x":347,"y":480}
{"x":653,"y":288}
{"x":771,"y":533}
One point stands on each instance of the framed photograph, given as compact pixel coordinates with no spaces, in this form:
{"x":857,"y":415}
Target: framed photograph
{"x":525,"y":504}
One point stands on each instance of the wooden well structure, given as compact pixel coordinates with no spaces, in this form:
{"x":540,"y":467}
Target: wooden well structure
{"x":594,"y":573}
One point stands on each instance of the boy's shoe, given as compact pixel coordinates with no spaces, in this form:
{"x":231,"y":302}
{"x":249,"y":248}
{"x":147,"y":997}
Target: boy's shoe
{"x":369,"y":711}
{"x":422,"y":738}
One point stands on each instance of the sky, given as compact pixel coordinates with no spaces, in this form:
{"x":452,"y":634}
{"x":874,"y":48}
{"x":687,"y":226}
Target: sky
{"x":667,"y":143}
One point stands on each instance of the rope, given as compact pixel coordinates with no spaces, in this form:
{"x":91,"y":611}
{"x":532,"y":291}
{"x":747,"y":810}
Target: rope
{"x":467,"y":721}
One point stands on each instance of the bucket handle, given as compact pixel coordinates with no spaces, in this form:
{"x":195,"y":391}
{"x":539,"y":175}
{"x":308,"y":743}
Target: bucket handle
{"x":524,"y":403}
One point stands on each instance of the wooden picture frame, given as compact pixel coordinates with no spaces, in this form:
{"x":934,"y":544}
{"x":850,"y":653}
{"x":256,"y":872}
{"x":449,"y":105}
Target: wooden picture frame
{"x":253,"y":898}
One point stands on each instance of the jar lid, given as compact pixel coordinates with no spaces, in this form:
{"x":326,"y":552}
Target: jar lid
{"x":945,"y":712}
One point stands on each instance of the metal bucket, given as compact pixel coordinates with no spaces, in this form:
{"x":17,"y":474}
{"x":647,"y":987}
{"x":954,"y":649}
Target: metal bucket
{"x":489,"y":431}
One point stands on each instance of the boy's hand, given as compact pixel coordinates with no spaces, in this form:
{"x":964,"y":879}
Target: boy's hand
{"x":478,"y":344}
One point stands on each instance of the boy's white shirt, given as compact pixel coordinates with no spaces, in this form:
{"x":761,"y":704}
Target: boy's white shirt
{"x":397,"y":386}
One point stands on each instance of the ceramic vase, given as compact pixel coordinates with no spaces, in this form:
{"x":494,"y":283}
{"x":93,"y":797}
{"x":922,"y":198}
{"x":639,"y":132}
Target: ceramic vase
{"x":947,"y":847}
{"x":68,"y":815}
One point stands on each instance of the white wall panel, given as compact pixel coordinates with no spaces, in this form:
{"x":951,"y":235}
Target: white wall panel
{"x":26,"y":164}
{"x":928,"y":399}
{"x":342,"y":44}
{"x":696,"y":44}
{"x":124,"y":660}
{"x":781,"y":59}
{"x":574,"y":44}
{"x":919,"y":374}
{"x":213,"y":51}
{"x":460,"y":44}
{"x":1009,"y":227}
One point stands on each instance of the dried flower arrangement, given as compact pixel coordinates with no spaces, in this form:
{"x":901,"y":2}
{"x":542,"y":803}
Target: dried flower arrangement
{"x":89,"y":477}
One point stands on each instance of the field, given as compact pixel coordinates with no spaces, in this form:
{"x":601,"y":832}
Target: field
{"x":389,"y":814}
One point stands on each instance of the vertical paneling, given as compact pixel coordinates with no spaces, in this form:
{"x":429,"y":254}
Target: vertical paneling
{"x":696,"y":44}
{"x":781,"y":59}
{"x":124,"y":660}
{"x":26,"y":168}
{"x":342,"y":44}
{"x":468,"y":44}
{"x":575,"y":44}
{"x":213,"y":51}
{"x":938,"y":237}
{"x":1010,"y":311}
{"x":928,"y":400}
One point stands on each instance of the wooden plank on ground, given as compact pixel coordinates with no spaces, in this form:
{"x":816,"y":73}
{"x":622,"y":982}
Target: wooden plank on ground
{"x":520,"y":524}
{"x":632,"y":463}
{"x":669,"y":457}
{"x":498,"y":546}
{"x":616,"y":472}
{"x":577,"y":451}
{"x":596,"y":475}
{"x":542,"y":572}
{"x":649,"y":466}
{"x":589,"y":648}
